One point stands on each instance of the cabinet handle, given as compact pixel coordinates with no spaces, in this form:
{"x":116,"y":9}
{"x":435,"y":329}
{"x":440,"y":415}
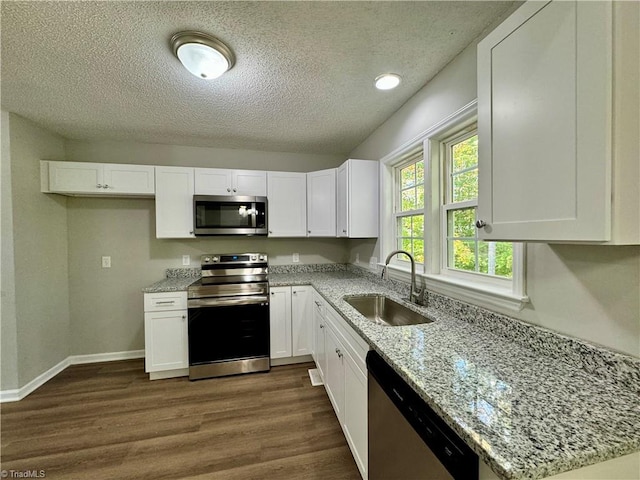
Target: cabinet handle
{"x":294,"y":292}
{"x":344,"y":231}
{"x":481,"y":223}
{"x":273,"y":293}
{"x":270,"y":231}
{"x":99,"y":185}
{"x":105,"y":186}
{"x":166,"y":302}
{"x":321,"y":326}
{"x":190,"y":232}
{"x":308,"y":231}
{"x":316,"y":302}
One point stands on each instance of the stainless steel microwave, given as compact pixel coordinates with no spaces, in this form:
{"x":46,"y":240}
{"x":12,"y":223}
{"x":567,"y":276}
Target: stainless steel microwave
{"x":229,"y":215}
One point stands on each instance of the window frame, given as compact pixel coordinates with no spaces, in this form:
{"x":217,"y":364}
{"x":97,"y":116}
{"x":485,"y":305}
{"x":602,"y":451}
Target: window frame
{"x":476,"y":288}
{"x":406,"y":161}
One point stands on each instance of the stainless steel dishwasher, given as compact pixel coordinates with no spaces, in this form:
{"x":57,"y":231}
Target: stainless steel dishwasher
{"x":407,"y":440}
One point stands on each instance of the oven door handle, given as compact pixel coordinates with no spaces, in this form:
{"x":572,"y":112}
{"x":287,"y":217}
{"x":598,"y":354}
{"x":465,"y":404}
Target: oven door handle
{"x":225,"y":302}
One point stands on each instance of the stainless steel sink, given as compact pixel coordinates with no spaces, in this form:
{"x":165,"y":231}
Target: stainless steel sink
{"x":384,"y":311}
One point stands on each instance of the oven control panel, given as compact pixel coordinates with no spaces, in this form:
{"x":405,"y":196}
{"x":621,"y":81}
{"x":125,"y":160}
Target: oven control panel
{"x":230,"y":258}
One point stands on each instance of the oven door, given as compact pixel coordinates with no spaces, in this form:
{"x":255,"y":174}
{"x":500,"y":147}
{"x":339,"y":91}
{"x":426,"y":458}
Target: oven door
{"x":229,"y":215}
{"x":228,"y":336}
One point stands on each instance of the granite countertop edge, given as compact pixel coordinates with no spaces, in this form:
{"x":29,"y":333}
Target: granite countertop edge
{"x":520,"y":467}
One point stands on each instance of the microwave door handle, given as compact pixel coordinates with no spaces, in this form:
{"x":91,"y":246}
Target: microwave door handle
{"x":254,"y":215}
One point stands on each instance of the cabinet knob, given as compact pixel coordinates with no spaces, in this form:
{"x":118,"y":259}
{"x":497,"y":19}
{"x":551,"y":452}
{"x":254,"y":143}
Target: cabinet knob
{"x":344,"y":231}
{"x":308,"y":231}
{"x":321,"y":326}
{"x":294,"y":292}
{"x":228,"y":189}
{"x":481,"y":223}
{"x":190,"y":232}
{"x":105,"y":186}
{"x":184,"y":316}
{"x":99,"y":185}
{"x":234,"y":190}
{"x":270,"y":231}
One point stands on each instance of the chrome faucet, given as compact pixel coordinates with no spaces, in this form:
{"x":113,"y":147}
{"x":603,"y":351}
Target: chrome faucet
{"x":415,"y":293}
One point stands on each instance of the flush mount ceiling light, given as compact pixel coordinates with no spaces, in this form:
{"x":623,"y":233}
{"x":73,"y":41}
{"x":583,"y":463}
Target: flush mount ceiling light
{"x":203,"y":55}
{"x":387,"y":81}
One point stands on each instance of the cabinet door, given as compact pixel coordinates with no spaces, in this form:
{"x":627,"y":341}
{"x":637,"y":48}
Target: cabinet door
{"x":75,"y":177}
{"x":355,"y":412}
{"x":165,"y":340}
{"x":321,"y":203}
{"x":212,"y":181}
{"x":544,"y":109}
{"x":280,"y":322}
{"x":287,"y":194}
{"x":301,"y":320}
{"x":334,"y":374}
{"x":319,"y":351}
{"x":174,"y":202}
{"x":342,"y":201}
{"x":362,"y":198}
{"x":249,"y":182}
{"x":128,"y":179}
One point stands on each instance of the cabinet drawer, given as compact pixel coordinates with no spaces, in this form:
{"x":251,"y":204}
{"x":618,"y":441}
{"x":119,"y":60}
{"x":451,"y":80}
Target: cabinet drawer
{"x":158,"y":302}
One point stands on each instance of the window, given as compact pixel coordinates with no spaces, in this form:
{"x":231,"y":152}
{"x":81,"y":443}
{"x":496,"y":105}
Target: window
{"x":430,"y":197}
{"x":409,"y":210}
{"x":462,"y":251}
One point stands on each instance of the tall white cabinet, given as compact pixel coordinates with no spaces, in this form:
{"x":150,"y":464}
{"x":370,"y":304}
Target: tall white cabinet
{"x":548,"y":99}
{"x":174,"y":202}
{"x":321,"y":203}
{"x":287,"y":196}
{"x":357,"y":199}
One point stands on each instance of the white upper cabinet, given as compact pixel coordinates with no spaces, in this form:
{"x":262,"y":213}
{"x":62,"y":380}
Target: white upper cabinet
{"x":287,"y":204}
{"x":174,"y":202}
{"x":106,"y":179}
{"x":218,"y":181}
{"x":548,"y":102}
{"x":321,"y":203}
{"x":357,"y":199}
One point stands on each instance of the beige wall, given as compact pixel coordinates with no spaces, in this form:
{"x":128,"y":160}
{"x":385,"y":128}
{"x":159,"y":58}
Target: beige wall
{"x":106,"y":304}
{"x":8,"y":327}
{"x":157,"y":154}
{"x":40,"y":276}
{"x":590,"y":292}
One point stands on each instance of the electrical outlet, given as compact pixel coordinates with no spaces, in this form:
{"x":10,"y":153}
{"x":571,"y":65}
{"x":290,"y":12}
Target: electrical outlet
{"x":186,"y":260}
{"x":296,"y":257}
{"x":106,"y":262}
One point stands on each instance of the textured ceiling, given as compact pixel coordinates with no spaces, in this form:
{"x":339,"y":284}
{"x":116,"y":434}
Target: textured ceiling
{"x":303,"y":79}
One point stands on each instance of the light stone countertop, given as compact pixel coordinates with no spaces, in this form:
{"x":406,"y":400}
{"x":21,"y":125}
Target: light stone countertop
{"x":526,"y":415}
{"x":527,"y":412}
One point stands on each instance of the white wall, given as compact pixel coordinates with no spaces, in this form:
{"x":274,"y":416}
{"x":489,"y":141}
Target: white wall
{"x":589,"y":292}
{"x":106,"y":304}
{"x":34,"y":253}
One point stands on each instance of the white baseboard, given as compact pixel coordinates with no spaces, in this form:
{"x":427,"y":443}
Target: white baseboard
{"x":105,"y":357}
{"x":19,"y":393}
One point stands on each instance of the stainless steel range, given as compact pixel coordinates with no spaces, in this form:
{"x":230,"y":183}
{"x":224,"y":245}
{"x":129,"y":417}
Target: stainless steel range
{"x":229,"y":316}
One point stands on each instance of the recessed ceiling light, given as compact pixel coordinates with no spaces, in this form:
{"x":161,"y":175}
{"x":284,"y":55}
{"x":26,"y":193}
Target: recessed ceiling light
{"x":203,"y":55}
{"x":387,"y":81}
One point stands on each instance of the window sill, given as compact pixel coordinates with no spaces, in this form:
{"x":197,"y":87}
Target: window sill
{"x":482,"y":295}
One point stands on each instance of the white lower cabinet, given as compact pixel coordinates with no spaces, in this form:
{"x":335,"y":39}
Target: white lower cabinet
{"x":291,"y":321}
{"x":340,"y":355}
{"x":166,"y":343}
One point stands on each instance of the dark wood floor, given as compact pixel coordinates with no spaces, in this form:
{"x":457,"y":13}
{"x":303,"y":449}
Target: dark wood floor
{"x":108,"y":421}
